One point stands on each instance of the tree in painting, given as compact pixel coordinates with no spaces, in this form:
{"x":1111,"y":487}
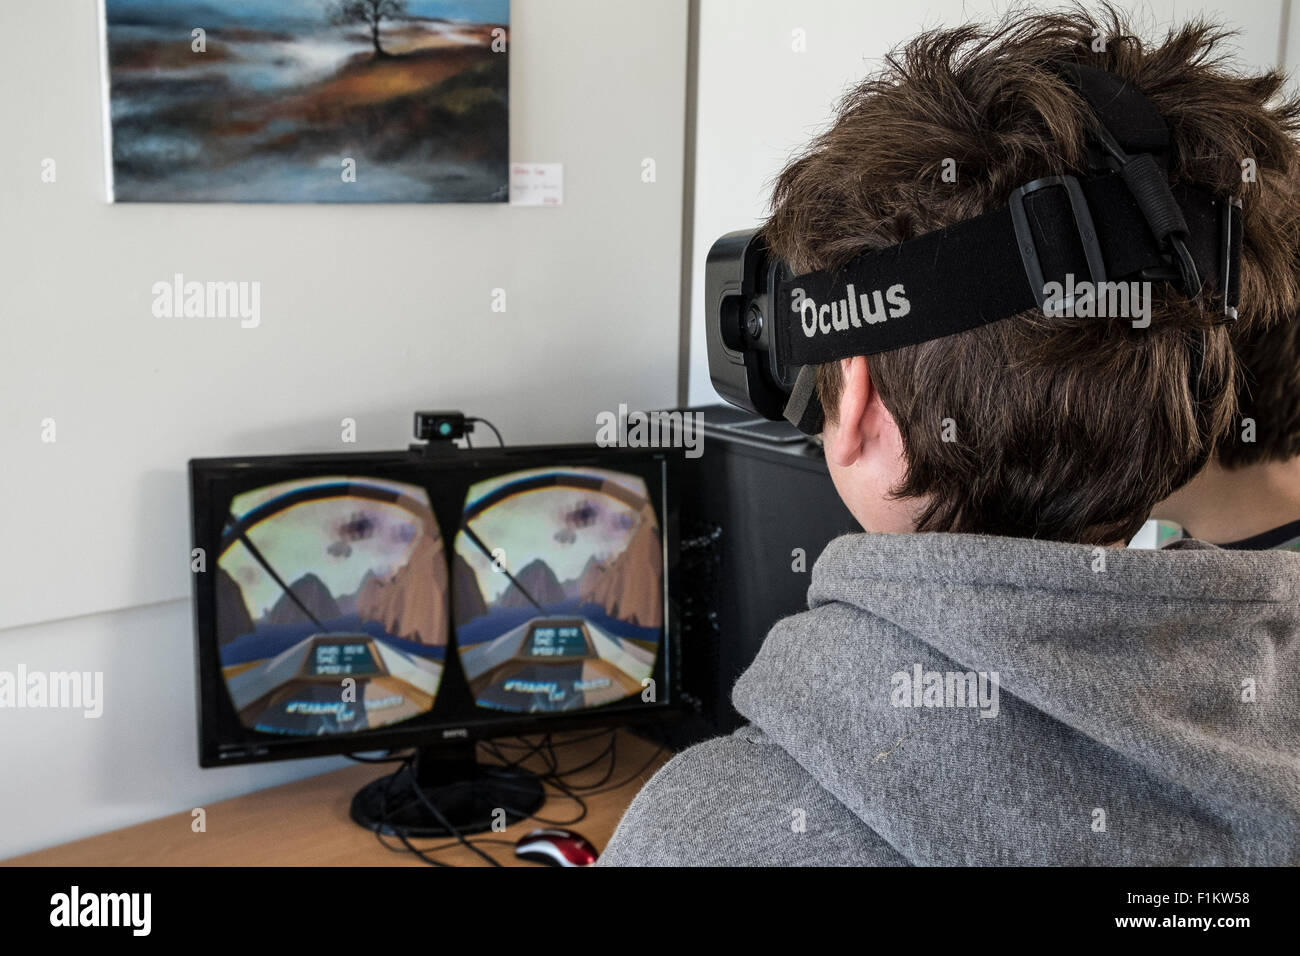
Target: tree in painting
{"x":371,"y":13}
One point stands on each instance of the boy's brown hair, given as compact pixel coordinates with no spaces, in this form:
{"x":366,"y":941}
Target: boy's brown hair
{"x":1268,"y":396}
{"x":1065,"y":429}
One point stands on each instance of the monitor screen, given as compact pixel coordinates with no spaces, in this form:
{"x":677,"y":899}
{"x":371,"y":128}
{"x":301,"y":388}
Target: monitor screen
{"x":360,"y":602}
{"x":327,"y":578}
{"x":559,"y":589}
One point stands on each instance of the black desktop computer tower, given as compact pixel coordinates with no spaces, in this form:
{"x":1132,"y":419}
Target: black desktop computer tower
{"x":753,"y":502}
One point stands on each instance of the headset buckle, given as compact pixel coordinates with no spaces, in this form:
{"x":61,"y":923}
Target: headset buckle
{"x":1229,"y":223}
{"x":1083,"y":228}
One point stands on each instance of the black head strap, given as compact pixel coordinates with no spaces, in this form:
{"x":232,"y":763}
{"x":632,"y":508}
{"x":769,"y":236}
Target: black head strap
{"x":1120,"y":224}
{"x":1123,"y":111}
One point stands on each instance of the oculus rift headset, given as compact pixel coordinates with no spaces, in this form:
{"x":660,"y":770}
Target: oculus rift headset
{"x":767,"y":329}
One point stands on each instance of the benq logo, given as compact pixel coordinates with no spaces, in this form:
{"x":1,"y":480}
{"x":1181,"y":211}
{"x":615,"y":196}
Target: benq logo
{"x":838,"y":316}
{"x":458,"y":732}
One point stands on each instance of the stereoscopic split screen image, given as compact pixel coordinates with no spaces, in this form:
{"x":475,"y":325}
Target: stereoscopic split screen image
{"x":553,"y":602}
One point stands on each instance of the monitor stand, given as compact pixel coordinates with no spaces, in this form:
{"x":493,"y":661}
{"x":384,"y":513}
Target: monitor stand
{"x":447,"y":785}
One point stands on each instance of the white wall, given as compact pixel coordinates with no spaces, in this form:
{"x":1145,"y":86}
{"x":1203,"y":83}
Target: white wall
{"x":759,"y":102}
{"x":367,"y":312}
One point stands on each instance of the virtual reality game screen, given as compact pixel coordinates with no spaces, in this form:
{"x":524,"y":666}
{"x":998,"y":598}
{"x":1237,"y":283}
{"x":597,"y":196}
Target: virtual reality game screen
{"x":558,"y":577}
{"x":331,"y":605}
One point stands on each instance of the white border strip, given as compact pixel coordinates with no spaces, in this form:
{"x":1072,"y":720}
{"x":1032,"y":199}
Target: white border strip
{"x":105,"y":100}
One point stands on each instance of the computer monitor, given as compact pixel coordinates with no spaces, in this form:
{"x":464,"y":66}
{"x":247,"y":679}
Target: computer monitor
{"x":349,"y":603}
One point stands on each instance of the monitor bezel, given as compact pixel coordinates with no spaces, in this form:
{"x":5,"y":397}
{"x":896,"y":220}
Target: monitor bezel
{"x":219,"y":749}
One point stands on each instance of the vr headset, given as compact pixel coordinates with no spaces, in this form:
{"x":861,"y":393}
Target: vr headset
{"x":1123,"y":222}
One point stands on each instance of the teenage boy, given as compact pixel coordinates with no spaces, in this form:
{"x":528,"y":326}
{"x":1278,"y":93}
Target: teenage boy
{"x":988,"y":676}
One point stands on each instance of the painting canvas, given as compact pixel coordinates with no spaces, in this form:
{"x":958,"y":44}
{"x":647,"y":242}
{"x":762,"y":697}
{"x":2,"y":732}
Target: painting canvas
{"x":308,"y":100}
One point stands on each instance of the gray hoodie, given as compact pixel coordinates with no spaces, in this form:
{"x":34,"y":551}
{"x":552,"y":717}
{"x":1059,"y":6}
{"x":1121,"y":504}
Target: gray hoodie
{"x":970,"y":700}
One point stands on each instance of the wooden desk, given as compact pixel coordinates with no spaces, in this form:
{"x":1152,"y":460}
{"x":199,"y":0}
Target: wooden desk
{"x":306,"y":823}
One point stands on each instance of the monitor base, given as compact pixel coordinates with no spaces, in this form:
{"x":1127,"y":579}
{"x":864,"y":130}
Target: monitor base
{"x":445,"y":789}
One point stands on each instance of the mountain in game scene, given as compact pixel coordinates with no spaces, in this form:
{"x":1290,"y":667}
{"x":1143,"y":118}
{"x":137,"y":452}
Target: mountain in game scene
{"x":630,"y":587}
{"x":468,"y":599}
{"x":233,"y":618}
{"x":348,"y":602}
{"x":539,"y":581}
{"x":412,"y":603}
{"x":585,"y":583}
{"x":314,"y":595}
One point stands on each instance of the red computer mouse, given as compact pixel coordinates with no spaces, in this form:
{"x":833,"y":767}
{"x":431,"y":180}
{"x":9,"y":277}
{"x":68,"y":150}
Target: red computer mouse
{"x":556,"y":848}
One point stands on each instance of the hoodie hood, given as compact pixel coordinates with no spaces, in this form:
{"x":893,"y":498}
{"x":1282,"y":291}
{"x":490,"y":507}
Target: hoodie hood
{"x":981,"y":700}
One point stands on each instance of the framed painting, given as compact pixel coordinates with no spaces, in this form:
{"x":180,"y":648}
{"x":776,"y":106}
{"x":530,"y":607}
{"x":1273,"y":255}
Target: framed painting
{"x":307,"y":100}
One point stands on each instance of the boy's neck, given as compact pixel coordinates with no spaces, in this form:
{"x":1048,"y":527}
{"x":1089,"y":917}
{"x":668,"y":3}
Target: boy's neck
{"x":1222,"y":506}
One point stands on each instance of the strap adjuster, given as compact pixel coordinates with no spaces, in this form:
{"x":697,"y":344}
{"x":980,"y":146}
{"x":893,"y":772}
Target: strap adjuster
{"x":1229,"y":223}
{"x":1083,"y":228}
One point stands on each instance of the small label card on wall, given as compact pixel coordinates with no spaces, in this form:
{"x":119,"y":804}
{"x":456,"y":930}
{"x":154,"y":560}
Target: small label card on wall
{"x":536,"y":184}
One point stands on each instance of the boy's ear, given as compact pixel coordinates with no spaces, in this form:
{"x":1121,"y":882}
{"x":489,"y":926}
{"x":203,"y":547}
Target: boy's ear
{"x":854,"y":428}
